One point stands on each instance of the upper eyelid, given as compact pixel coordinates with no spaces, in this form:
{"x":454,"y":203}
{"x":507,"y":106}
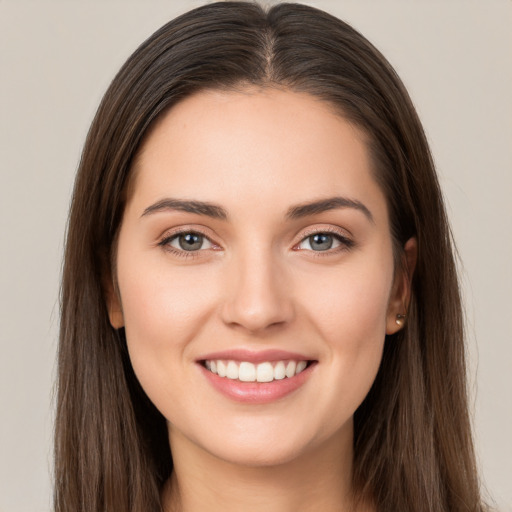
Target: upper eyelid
{"x":343,"y":236}
{"x":165,"y":240}
{"x":169,"y":234}
{"x":342,"y":233}
{"x":174,"y":232}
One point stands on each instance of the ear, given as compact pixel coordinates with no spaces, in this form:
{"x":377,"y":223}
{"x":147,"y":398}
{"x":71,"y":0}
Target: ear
{"x":115,"y":311}
{"x":401,"y":292}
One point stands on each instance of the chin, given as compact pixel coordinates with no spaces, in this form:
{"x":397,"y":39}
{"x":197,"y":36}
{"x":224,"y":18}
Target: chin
{"x":257,"y":456}
{"x":265,"y":447}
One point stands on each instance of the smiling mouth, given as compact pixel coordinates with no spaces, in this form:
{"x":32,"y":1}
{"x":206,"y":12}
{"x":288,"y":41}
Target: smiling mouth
{"x":245,"y":371}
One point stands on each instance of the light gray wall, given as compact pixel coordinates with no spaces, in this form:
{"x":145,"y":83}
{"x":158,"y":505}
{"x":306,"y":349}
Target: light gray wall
{"x":56,"y":59}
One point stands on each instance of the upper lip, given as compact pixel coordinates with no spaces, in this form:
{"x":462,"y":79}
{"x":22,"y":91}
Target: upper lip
{"x":254,"y":356}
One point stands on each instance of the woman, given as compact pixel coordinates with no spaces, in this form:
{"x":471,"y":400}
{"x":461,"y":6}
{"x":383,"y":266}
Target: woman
{"x":259,"y":304}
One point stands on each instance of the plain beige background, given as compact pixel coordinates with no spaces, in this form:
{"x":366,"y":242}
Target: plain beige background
{"x":57,"y":58}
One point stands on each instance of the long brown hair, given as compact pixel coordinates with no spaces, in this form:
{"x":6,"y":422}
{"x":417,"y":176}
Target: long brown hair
{"x":413,"y":445}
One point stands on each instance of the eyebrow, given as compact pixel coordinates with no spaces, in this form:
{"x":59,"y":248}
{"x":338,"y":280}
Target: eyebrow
{"x":323,"y":205}
{"x":198,"y":207}
{"x":295,"y":212}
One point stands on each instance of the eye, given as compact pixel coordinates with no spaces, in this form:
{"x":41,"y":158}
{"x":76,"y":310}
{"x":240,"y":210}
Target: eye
{"x":188,"y":241}
{"x":324,"y":241}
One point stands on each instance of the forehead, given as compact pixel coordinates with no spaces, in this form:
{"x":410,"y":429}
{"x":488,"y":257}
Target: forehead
{"x":254,"y":145}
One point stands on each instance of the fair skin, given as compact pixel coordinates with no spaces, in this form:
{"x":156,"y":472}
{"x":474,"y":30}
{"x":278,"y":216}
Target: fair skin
{"x":254,"y":274}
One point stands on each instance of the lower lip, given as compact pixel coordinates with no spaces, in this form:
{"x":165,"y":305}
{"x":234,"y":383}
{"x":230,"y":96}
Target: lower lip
{"x":257,"y":392}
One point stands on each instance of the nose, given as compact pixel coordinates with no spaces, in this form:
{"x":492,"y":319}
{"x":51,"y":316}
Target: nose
{"x":258,"y":295}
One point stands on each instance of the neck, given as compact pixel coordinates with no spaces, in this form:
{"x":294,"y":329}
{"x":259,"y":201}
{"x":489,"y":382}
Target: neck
{"x":316,"y":480}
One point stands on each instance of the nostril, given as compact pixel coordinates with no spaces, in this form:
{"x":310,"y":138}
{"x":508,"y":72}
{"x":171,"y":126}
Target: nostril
{"x":257,"y":302}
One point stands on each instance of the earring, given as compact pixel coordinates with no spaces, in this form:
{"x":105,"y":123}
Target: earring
{"x":400,"y":320}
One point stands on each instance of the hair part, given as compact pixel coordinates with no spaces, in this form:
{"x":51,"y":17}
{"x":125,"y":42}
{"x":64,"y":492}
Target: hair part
{"x":413,"y":446}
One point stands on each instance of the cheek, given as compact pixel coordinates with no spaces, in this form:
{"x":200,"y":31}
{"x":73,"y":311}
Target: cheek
{"x":162,"y":305}
{"x":349,"y":304}
{"x":348,"y":310}
{"x":164,"y":309}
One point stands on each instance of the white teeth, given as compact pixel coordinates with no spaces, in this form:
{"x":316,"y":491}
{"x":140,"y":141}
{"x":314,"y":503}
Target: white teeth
{"x":300,"y":366}
{"x":279,"y":371}
{"x":221,"y":369}
{"x":264,"y":372}
{"x":249,"y":372}
{"x":232,"y":370}
{"x":290,"y":369}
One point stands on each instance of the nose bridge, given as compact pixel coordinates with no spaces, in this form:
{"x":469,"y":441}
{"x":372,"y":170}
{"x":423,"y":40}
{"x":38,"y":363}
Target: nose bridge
{"x":258,"y":293}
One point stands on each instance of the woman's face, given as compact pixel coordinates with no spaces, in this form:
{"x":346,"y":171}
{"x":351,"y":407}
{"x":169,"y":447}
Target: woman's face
{"x":255,"y":241}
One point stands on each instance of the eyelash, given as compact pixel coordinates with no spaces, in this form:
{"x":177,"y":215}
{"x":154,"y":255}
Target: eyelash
{"x":346,"y":243}
{"x":182,"y":253}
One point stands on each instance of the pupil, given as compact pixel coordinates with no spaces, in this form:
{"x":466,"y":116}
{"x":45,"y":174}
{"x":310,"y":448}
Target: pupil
{"x":190,"y":242}
{"x":320,"y":241}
